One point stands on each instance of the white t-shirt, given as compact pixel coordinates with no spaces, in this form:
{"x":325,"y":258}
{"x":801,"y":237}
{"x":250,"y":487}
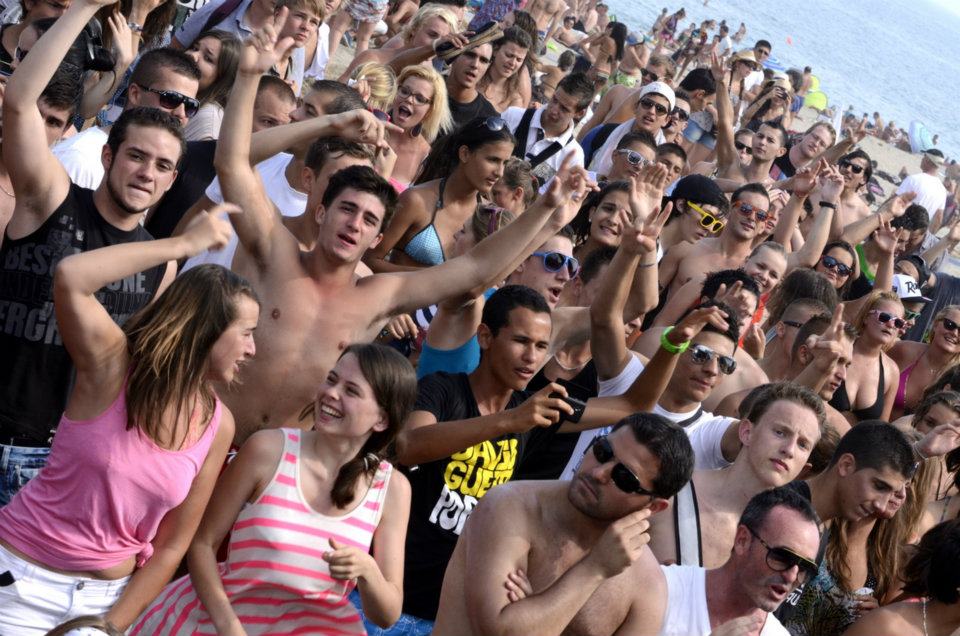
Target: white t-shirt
{"x":929,"y":190}
{"x":704,"y":429}
{"x":205,"y":124}
{"x":687,"y":613}
{"x":80,"y":156}
{"x":318,"y":67}
{"x":755,"y":78}
{"x":289,"y":201}
{"x":725,"y":46}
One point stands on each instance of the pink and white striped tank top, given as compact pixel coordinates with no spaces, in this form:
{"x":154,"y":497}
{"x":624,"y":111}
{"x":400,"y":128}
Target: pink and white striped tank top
{"x":275,"y":576}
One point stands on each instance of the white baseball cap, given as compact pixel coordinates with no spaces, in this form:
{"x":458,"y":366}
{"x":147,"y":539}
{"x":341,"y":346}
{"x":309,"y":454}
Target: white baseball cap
{"x":907,"y":289}
{"x":662,"y":89}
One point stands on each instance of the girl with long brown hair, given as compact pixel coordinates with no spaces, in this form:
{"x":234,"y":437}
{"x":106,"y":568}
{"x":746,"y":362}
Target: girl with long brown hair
{"x":106,"y":523}
{"x":303,"y":510}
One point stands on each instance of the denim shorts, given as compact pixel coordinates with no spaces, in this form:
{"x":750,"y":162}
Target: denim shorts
{"x":698,"y":135}
{"x":407,"y":625}
{"x":18,"y":465}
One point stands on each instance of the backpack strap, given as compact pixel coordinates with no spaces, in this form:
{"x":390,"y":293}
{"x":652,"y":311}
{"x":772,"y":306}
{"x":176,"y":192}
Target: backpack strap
{"x":521,"y":134}
{"x":220,"y":14}
{"x":686,"y":521}
{"x":598,"y":140}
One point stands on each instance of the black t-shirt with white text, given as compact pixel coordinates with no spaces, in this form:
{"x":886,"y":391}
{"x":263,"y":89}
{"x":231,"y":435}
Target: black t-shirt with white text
{"x":444,"y":492}
{"x":36,"y":372}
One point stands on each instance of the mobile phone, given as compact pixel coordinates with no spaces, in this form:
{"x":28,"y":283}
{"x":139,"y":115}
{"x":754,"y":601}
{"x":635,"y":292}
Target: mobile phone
{"x":578,"y":407}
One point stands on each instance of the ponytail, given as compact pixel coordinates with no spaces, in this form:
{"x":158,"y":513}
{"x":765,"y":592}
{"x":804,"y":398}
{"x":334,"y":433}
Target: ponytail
{"x":365,"y":464}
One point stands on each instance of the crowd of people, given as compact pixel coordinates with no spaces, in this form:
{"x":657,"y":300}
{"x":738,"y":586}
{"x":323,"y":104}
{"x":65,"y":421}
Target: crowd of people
{"x":460,"y":341}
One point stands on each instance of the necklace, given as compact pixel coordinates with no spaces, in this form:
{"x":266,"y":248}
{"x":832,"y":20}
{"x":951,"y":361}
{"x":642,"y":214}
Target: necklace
{"x":923,"y":609}
{"x":9,"y":194}
{"x":577,"y":367}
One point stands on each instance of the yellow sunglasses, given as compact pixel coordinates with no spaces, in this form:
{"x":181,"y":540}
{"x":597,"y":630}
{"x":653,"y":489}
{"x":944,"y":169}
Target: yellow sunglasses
{"x":707,"y":220}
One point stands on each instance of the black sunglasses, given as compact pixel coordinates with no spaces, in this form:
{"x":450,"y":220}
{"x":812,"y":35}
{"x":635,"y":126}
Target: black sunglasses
{"x":949,"y":325}
{"x":885,"y":318}
{"x":648,"y":76}
{"x":854,"y":168}
{"x":741,"y":147}
{"x":702,"y":355}
{"x":679,"y":114}
{"x":782,"y":559}
{"x":623,"y":478}
{"x":554,"y":261}
{"x":831,"y":263}
{"x":792,"y":323}
{"x":172,"y":99}
{"x":650,"y":104}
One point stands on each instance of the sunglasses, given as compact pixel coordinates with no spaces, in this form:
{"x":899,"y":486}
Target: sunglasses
{"x":403,"y":92}
{"x":648,"y":76}
{"x":702,"y":355}
{"x":623,"y":478}
{"x":634,"y":158}
{"x":885,"y":319}
{"x":707,"y":220}
{"x":913,"y":315}
{"x":782,"y":559}
{"x":172,"y":99}
{"x":555,"y":261}
{"x":854,"y":168}
{"x":831,"y":263}
{"x":679,"y":114}
{"x":792,"y":323}
{"x":747,"y":210}
{"x":742,"y":147}
{"x":379,"y":114}
{"x":948,"y":324}
{"x":649,"y":104}
{"x":493,"y":124}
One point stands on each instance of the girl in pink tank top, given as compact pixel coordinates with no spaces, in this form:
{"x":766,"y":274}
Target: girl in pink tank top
{"x":105,"y":524}
{"x":304,"y":509}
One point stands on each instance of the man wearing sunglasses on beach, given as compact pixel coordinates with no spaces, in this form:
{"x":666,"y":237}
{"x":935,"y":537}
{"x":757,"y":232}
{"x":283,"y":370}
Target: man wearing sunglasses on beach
{"x":54,"y":218}
{"x":165,"y":79}
{"x":727,"y":249}
{"x":600,"y":520}
{"x":619,"y":103}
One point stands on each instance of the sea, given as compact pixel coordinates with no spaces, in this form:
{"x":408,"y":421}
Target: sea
{"x":895,"y":57}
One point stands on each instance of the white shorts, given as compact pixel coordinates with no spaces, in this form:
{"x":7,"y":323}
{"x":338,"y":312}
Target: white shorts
{"x":34,"y":600}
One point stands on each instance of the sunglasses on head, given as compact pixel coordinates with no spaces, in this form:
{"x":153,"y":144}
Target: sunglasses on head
{"x":634,"y":158}
{"x":623,"y":478}
{"x":679,"y":114}
{"x":707,"y":220}
{"x":648,"y":76}
{"x":649,"y":104}
{"x":747,"y":210}
{"x":854,"y":168}
{"x":831,"y":263}
{"x":702,"y":355}
{"x":886,"y":319}
{"x":782,"y":559}
{"x":948,"y":324}
{"x":493,"y":124}
{"x":171,"y":100}
{"x":554,"y":261}
{"x":742,"y":147}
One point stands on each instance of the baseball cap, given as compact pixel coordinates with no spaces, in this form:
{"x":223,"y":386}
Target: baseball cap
{"x":907,"y":289}
{"x":660,"y":88}
{"x":699,"y":189}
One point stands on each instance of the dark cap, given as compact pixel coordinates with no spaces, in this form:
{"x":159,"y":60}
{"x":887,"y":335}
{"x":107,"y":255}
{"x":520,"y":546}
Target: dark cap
{"x":699,"y":189}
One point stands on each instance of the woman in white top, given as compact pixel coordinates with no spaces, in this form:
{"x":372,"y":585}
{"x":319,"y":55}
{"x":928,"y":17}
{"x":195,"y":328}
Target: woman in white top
{"x":217,"y":54}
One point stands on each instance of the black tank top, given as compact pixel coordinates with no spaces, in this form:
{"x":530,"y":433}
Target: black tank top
{"x":36,"y":372}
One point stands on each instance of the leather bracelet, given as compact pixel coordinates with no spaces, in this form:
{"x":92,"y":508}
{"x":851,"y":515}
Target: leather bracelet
{"x":827,"y":204}
{"x":668,"y":346}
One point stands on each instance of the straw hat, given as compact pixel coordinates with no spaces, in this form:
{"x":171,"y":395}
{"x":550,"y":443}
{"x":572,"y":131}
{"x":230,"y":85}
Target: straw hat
{"x":745,"y":56}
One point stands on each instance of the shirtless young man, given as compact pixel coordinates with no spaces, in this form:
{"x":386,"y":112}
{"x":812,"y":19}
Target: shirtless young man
{"x":548,"y":14}
{"x":778,"y":434}
{"x":769,"y":142}
{"x":619,"y":103}
{"x":577,"y":542}
{"x":314,"y":304}
{"x":856,"y":170}
{"x":729,"y":250}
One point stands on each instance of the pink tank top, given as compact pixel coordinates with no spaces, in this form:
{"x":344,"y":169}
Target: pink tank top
{"x":103,"y":493}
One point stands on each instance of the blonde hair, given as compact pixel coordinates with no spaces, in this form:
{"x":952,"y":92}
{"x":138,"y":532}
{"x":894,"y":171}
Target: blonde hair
{"x":438,"y":119}
{"x":423,"y":14}
{"x":313,"y":6}
{"x":874,"y":299}
{"x":381,"y":81}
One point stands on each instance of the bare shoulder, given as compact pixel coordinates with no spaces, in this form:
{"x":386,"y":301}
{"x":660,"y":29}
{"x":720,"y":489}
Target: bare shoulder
{"x":897,"y":619}
{"x":730,"y":405}
{"x":906,"y":351}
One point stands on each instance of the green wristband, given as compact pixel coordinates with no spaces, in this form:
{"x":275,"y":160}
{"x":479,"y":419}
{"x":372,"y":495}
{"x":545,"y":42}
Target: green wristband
{"x":668,"y":346}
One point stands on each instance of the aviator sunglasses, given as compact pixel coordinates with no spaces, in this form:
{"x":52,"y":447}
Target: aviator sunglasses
{"x":650,"y":104}
{"x":702,"y":355}
{"x":623,"y":478}
{"x":782,"y":559}
{"x":746,"y":210}
{"x":707,"y":220}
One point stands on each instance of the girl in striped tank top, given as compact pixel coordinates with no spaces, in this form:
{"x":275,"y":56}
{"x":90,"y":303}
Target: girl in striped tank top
{"x":304,"y":509}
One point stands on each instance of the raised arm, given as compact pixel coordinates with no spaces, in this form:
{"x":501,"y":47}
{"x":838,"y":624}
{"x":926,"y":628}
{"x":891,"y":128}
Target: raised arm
{"x":947,"y":243}
{"x":638,"y":249}
{"x":859,"y":231}
{"x":125,"y":47}
{"x":819,"y":232}
{"x":478,"y":269}
{"x":39,"y":181}
{"x":727,"y":156}
{"x":416,"y":55}
{"x":95,"y":342}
